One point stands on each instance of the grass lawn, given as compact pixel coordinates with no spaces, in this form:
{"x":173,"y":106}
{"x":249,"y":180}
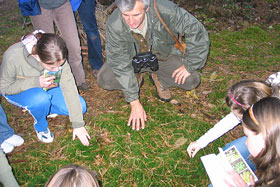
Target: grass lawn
{"x":155,"y":156}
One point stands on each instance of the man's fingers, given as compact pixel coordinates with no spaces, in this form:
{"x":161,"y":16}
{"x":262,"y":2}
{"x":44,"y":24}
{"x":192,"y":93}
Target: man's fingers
{"x":88,"y":136}
{"x":183,"y":80}
{"x":178,"y":77}
{"x":133,"y":123}
{"x":143,"y":123}
{"x":85,"y":141}
{"x":138,"y":125}
{"x":129,"y":121}
{"x":174,"y":73}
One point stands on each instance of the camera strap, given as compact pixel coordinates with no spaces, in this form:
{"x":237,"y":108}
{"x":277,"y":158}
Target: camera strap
{"x":179,"y":45}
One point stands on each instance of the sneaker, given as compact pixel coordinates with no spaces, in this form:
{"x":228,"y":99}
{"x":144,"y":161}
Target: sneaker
{"x":45,"y":136}
{"x":6,"y":147}
{"x":84,"y":86}
{"x":140,"y":79}
{"x":15,"y":140}
{"x":52,"y":115}
{"x":163,"y":94}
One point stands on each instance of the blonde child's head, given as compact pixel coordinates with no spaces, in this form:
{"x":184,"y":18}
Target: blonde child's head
{"x":73,"y":176}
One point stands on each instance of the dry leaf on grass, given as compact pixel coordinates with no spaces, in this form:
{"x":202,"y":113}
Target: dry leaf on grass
{"x":144,"y":154}
{"x":181,"y":141}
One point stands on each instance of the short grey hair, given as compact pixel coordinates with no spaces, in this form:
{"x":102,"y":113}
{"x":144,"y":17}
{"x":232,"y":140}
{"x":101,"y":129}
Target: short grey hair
{"x":127,"y":5}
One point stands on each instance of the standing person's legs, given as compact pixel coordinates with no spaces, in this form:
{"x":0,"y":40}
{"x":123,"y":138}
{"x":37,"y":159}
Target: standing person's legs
{"x":88,"y":18}
{"x":5,"y":130}
{"x":44,"y":21}
{"x":166,"y":69}
{"x":65,"y":21}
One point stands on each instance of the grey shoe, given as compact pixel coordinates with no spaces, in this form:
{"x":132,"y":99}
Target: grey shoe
{"x":84,"y":86}
{"x":163,"y":94}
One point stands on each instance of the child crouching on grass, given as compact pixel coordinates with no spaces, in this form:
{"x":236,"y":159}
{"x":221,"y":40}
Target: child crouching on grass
{"x":261,"y":125}
{"x":24,"y":84}
{"x":239,"y":98}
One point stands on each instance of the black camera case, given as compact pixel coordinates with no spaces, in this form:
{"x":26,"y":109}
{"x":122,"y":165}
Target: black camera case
{"x":144,"y":60}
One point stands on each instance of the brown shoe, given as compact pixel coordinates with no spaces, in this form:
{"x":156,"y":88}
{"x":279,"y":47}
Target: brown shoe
{"x":163,"y":94}
{"x":140,"y":79}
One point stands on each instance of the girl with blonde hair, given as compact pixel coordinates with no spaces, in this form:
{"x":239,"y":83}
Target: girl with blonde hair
{"x":73,"y":176}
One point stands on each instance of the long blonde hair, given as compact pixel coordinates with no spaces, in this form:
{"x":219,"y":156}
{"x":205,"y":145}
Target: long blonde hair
{"x":73,"y":176}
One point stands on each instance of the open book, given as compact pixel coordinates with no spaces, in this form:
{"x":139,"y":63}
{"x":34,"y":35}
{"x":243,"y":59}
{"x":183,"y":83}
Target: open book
{"x":217,"y":165}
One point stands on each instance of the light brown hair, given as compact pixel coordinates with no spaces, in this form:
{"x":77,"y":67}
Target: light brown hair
{"x":246,"y":93}
{"x":50,"y":48}
{"x":73,"y":176}
{"x":264,"y":117}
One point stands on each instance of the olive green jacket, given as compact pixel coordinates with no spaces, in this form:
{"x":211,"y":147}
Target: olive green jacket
{"x":120,"y":42}
{"x":20,"y":71}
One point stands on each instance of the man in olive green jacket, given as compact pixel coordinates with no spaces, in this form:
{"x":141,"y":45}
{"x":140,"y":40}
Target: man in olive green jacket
{"x":135,"y":27}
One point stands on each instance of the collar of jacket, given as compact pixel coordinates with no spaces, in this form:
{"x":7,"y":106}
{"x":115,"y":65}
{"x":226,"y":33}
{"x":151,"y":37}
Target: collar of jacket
{"x":31,"y":60}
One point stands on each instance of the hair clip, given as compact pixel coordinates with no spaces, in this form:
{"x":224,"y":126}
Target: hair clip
{"x":252,"y":116}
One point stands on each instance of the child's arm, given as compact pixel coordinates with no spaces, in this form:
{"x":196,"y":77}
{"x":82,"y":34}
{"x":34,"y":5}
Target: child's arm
{"x":226,"y":124}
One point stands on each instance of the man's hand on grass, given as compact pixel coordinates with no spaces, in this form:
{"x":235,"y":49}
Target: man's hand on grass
{"x":137,"y":116}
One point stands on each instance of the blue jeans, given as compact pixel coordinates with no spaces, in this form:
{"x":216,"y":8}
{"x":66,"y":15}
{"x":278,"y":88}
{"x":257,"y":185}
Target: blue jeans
{"x":40,"y":104}
{"x":87,"y":16}
{"x":5,"y":130}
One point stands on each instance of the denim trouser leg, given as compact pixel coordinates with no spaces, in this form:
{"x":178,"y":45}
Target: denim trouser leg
{"x":5,"y":130}
{"x":87,"y":16}
{"x":240,"y":144}
{"x":41,"y":103}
